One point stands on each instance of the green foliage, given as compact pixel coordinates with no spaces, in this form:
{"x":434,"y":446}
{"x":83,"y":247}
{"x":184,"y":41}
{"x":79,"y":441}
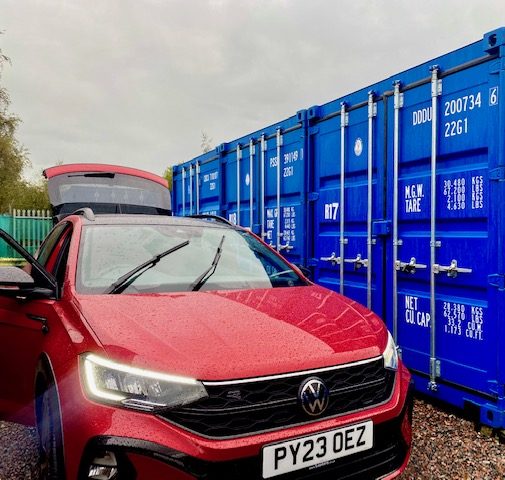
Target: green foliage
{"x":167,"y":174}
{"x":15,"y":192}
{"x":31,"y":196}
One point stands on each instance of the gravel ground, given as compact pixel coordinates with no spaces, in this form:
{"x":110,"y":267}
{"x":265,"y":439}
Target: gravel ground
{"x":18,"y":452}
{"x":446,"y":447}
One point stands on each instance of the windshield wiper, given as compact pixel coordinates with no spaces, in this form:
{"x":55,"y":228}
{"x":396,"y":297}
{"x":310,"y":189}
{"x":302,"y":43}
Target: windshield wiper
{"x":200,"y":281}
{"x":128,"y":278}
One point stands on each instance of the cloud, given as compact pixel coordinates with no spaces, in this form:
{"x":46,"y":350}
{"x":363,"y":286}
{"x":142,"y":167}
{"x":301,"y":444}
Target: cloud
{"x":135,"y":83}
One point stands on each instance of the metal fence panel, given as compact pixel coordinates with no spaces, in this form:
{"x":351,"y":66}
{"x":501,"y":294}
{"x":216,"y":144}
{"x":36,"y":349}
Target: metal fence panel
{"x":28,"y":227}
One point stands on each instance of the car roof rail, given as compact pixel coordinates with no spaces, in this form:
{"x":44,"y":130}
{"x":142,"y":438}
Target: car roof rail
{"x":216,"y":218}
{"x":86,"y":212}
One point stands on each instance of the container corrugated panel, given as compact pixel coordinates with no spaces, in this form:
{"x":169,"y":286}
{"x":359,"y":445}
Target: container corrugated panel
{"x":244,"y":182}
{"x":393,"y":195}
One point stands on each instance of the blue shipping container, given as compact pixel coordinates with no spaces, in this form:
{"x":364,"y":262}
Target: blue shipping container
{"x":395,"y":196}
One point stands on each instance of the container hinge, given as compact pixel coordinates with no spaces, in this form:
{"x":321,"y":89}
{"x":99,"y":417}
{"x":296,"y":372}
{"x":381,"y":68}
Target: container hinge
{"x":497,"y":280}
{"x":313,"y":130}
{"x":497,"y":174}
{"x":312,"y":262}
{"x":313,"y":196}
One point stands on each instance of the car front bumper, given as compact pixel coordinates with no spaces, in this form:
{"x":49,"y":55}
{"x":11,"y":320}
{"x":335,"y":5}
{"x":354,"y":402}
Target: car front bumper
{"x":147,"y":447}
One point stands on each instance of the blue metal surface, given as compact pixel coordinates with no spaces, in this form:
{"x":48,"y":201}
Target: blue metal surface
{"x":446,"y":128}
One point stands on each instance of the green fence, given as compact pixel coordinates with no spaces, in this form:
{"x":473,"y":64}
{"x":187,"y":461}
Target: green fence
{"x":28,"y":227}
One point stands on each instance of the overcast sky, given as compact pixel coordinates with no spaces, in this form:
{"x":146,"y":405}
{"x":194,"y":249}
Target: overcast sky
{"x":136,"y":82}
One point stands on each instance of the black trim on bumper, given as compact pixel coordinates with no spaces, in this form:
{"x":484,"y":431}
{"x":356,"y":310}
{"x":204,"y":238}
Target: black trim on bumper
{"x":388,"y":455}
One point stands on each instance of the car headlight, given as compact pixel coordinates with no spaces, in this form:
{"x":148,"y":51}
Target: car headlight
{"x":390,"y":354}
{"x":111,"y":382}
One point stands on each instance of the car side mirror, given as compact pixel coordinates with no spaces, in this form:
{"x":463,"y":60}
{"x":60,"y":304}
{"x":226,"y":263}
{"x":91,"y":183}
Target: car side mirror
{"x":15,"y":282}
{"x":306,"y":272}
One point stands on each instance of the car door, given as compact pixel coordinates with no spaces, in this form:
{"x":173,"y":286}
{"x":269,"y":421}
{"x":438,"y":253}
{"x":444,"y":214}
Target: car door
{"x":25,"y":328}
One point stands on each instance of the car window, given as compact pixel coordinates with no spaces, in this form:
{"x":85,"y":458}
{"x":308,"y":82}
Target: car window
{"x":61,"y":256}
{"x":49,"y":243}
{"x":108,"y":252}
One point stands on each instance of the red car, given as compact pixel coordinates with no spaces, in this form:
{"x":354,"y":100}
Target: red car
{"x":146,"y":346}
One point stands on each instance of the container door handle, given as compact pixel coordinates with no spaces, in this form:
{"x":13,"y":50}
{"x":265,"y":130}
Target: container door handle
{"x":333,"y":259}
{"x":452,"y":269}
{"x":358,"y":261}
{"x":409,"y":267}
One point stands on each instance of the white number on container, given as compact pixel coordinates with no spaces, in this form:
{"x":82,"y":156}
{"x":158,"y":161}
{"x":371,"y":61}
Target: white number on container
{"x":493,"y":96}
{"x":288,"y":171}
{"x":462,"y":104}
{"x":456,"y":127}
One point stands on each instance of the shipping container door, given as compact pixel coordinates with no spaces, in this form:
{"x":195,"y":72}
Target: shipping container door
{"x":185,"y":192}
{"x":178,"y":193}
{"x":439,"y":257}
{"x":240,"y":162}
{"x":282,"y":191}
{"x":347,"y":202}
{"x":207,"y":183}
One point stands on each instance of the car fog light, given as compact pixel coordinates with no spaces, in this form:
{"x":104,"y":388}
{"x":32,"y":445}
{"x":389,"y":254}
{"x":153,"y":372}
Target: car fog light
{"x":104,"y":467}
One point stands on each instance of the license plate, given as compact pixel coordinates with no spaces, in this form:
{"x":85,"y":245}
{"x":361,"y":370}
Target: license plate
{"x":316,"y":449}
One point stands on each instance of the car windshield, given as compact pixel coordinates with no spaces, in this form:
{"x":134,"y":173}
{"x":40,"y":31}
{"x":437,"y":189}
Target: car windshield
{"x":108,"y":252}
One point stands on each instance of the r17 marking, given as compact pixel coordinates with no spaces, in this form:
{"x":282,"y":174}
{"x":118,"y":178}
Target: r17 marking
{"x":330,"y":211}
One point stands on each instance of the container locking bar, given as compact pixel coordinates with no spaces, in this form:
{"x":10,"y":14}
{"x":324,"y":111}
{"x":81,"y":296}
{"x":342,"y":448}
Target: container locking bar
{"x":344,"y":122}
{"x":263,"y":153}
{"x":279,"y":145}
{"x":197,"y":183}
{"x":409,"y":267}
{"x":191,"y":174}
{"x":398,"y":104}
{"x":452,"y":269}
{"x":358,"y":261}
{"x":183,"y":191}
{"x":436,"y":91}
{"x":280,"y":234}
{"x":252,"y":151}
{"x":333,"y":259}
{"x":372,"y":112}
{"x":239,"y":157}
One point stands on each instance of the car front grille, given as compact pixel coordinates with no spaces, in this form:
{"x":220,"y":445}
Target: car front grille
{"x":386,"y":456}
{"x":251,"y":406}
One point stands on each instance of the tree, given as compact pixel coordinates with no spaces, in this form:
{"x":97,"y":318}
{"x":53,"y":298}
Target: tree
{"x":12,"y":156}
{"x":167,"y":174}
{"x":206,"y":142}
{"x":15,"y":192}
